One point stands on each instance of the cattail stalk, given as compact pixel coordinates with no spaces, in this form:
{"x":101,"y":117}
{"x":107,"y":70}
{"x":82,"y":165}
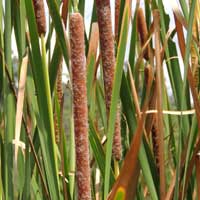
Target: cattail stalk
{"x":80,"y":106}
{"x":40,"y":16}
{"x":143,"y":31}
{"x":108,"y":62}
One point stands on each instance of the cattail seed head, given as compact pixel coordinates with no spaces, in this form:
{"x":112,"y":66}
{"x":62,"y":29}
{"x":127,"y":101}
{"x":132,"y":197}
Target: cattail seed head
{"x":56,"y":128}
{"x":154,"y":132}
{"x":117,"y":13}
{"x":117,"y":146}
{"x":143,"y":32}
{"x":59,"y":83}
{"x":107,"y":47}
{"x":78,"y":64}
{"x":40,"y":16}
{"x":108,"y":62}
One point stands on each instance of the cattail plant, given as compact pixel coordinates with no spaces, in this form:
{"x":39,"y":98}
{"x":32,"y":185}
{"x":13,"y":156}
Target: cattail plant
{"x":40,"y":16}
{"x":80,"y":105}
{"x":108,"y":62}
{"x":143,"y":31}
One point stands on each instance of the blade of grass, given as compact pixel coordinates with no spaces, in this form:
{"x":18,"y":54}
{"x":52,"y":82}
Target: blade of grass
{"x":19,"y":16}
{"x":91,"y":58}
{"x":9,"y":107}
{"x":197,"y":163}
{"x":28,"y":130}
{"x":176,"y":81}
{"x":54,"y":11}
{"x":189,"y":171}
{"x":185,"y":53}
{"x":44,"y":102}
{"x":98,"y":151}
{"x":20,"y":102}
{"x":26,"y":190}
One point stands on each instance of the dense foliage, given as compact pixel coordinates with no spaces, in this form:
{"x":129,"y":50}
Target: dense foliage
{"x":126,"y":123}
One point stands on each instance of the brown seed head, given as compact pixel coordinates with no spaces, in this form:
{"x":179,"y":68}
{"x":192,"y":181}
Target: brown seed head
{"x":155,"y":143}
{"x":117,"y":13}
{"x":108,"y":62}
{"x":106,"y":46}
{"x":143,"y":32}
{"x":117,"y":146}
{"x":40,"y":16}
{"x":78,"y":63}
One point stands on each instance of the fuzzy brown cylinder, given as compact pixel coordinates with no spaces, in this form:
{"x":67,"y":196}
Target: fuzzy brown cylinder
{"x":142,"y":30}
{"x":56,"y":128}
{"x":154,"y":132}
{"x":60,"y":97}
{"x":40,"y":16}
{"x":117,"y":13}
{"x":117,"y":145}
{"x":59,"y":83}
{"x":108,"y":57}
{"x":78,"y":64}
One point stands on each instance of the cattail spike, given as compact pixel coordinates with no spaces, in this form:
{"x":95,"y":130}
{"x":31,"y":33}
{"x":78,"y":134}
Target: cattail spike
{"x":40,"y":16}
{"x":107,"y":47}
{"x":78,"y":63}
{"x":117,"y":13}
{"x":154,"y":132}
{"x":108,"y":61}
{"x":59,"y":83}
{"x":56,"y":128}
{"x":143,"y":32}
{"x":60,"y":97}
{"x":117,"y":146}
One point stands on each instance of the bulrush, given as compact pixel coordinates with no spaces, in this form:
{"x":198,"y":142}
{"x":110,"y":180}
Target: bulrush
{"x":40,"y":16}
{"x":117,"y":146}
{"x":155,"y":142}
{"x":117,"y":14}
{"x":108,"y":59}
{"x":80,"y":105}
{"x":142,"y":30}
